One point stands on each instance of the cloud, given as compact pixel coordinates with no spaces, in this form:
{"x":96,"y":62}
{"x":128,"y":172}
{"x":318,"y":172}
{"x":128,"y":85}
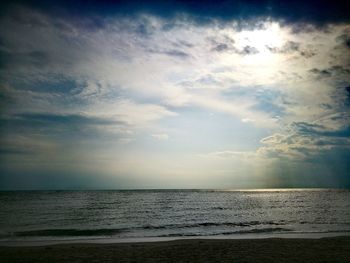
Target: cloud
{"x":240,"y":155}
{"x":347,"y":89}
{"x":344,"y":39}
{"x":59,"y":122}
{"x":107,"y":62}
{"x":294,"y":11}
{"x":301,"y":142}
{"x":221,"y":47}
{"x":113,"y":67}
{"x":15,"y":144}
{"x":90,"y":87}
{"x":332,"y":71}
{"x":308,"y":141}
{"x":248,"y":50}
{"x":300,"y":147}
{"x":9,"y":150}
{"x":288,"y":47}
{"x":40,"y":133}
{"x":172,"y":53}
{"x":138,"y":114}
{"x":222,"y":43}
{"x":44,"y":118}
{"x":161,"y":136}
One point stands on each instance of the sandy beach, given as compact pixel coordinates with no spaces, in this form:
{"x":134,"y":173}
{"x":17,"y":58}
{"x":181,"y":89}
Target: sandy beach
{"x":335,"y":249}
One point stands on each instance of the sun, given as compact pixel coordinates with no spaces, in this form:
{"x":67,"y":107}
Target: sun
{"x":262,"y":40}
{"x":258,"y":44}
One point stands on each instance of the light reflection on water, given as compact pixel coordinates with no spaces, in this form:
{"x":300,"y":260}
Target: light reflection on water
{"x":168,"y":213}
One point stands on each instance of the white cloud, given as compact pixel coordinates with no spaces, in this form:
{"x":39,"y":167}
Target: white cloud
{"x":269,"y":78}
{"x":117,"y":60}
{"x":161,"y":136}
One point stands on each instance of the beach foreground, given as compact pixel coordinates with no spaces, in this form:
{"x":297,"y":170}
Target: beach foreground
{"x":335,"y":249}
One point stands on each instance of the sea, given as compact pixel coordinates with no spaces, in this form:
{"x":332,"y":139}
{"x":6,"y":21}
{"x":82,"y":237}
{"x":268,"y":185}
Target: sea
{"x":127,"y":215}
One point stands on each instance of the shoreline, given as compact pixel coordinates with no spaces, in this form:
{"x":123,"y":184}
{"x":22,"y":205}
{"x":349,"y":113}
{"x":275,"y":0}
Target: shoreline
{"x":326,"y":249}
{"x":116,"y":240}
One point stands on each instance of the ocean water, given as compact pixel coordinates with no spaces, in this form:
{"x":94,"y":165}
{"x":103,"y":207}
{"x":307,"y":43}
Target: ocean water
{"x":67,"y":215}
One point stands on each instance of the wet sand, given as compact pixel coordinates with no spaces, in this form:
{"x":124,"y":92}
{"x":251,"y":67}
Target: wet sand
{"x":335,"y":249}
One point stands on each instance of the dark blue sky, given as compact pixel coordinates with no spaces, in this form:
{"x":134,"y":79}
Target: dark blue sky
{"x":317,"y":12}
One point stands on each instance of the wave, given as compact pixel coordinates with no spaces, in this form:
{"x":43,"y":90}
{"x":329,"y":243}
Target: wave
{"x":115,"y":231}
{"x":111,"y":232}
{"x":215,"y":224}
{"x":68,"y":232}
{"x":250,"y":231}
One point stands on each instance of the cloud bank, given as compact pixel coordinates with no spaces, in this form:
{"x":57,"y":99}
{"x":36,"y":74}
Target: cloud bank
{"x":146,"y":95}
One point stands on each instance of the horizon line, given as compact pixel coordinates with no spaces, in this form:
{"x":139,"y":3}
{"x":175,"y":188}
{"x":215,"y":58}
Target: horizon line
{"x":182,"y":189}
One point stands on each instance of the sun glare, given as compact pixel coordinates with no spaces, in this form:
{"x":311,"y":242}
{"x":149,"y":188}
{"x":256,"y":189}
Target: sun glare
{"x":258,"y":44}
{"x":261,"y":39}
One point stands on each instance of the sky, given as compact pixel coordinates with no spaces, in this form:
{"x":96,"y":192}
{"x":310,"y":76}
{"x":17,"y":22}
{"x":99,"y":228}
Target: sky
{"x":174,"y":94}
